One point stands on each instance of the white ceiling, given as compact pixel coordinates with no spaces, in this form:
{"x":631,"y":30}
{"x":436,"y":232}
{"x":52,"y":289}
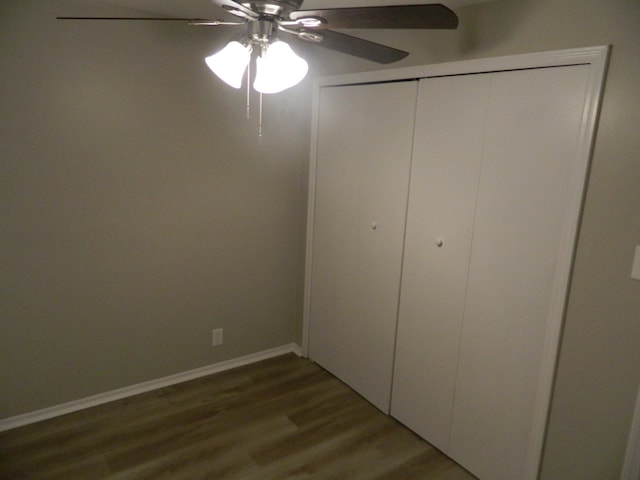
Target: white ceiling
{"x":206,"y":8}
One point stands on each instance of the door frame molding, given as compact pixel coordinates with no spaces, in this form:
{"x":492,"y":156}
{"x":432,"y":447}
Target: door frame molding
{"x":597,"y":59}
{"x":631,"y":466}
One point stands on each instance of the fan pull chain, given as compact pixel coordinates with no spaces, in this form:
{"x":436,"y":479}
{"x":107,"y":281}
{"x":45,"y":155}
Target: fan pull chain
{"x":249,"y":102}
{"x":249,"y":91}
{"x":260,"y":118}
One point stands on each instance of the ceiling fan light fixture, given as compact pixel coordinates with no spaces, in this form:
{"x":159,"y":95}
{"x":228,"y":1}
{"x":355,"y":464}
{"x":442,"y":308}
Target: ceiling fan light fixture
{"x":230,"y":63}
{"x":279,"y":68}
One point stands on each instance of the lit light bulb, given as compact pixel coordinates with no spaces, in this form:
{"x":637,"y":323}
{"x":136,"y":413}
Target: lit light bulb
{"x":230,"y":63}
{"x":279,"y":68}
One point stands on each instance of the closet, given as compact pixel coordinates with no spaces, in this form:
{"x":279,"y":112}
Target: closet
{"x":442,"y":221}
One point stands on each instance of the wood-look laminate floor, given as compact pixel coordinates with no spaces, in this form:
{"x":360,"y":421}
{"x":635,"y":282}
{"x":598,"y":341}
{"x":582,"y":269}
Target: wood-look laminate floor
{"x":282,"y":418}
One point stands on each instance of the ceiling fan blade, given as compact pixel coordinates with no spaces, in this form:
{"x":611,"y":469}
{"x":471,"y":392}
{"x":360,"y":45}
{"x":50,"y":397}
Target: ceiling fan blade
{"x":396,"y":16}
{"x":236,"y":8}
{"x":191,"y":21}
{"x":355,"y":46}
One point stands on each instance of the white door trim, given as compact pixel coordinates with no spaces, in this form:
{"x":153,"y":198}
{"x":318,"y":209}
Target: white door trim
{"x":596,"y":58}
{"x":631,"y":466}
{"x":598,"y":63}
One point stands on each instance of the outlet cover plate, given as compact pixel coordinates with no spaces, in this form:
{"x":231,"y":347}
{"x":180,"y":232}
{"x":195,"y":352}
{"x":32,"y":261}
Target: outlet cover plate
{"x":635,"y":270}
{"x":216,"y":337}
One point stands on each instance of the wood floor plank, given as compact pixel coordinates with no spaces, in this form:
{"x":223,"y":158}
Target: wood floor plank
{"x":282,"y":418}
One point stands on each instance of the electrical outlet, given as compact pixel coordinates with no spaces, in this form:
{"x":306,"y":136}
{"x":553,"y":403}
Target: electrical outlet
{"x":216,"y":337}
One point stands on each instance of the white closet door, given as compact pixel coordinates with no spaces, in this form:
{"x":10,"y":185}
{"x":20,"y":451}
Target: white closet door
{"x":362,"y":173}
{"x":529,"y":159}
{"x":450,"y":125}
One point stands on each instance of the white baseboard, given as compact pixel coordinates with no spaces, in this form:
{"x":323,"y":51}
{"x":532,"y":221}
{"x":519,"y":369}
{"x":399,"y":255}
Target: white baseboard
{"x":101,"y":398}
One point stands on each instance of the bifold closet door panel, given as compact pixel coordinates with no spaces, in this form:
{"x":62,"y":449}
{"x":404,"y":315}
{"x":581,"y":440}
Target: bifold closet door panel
{"x":450,"y":123}
{"x":530,"y":152}
{"x":363,"y":158}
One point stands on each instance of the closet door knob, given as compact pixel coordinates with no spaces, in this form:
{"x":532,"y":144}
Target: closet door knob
{"x":439,"y":242}
{"x":374,"y":225}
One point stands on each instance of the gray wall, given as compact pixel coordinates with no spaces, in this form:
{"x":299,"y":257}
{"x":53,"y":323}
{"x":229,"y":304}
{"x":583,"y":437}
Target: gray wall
{"x":139,"y":211}
{"x":138,"y":207}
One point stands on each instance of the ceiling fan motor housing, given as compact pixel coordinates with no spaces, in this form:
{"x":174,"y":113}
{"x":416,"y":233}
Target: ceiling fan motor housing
{"x":278,"y":8}
{"x":262,"y":30}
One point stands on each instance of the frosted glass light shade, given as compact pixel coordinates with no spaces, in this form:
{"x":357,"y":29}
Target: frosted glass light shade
{"x":278,"y":69}
{"x":230,"y":63}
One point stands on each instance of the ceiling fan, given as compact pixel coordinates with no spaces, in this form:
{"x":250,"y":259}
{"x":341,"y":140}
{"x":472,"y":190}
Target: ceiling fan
{"x":278,"y":67}
{"x":265,"y":18}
